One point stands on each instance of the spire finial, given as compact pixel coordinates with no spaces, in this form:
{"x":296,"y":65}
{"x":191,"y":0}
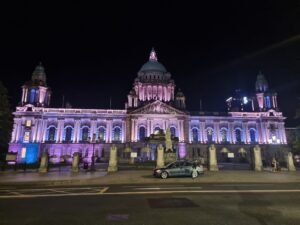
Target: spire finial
{"x":153,"y":56}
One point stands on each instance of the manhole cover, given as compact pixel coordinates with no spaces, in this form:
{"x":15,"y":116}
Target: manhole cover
{"x":170,"y":203}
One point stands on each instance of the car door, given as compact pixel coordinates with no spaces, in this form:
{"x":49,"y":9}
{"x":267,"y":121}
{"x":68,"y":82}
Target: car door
{"x":186,"y":169}
{"x":174,"y":169}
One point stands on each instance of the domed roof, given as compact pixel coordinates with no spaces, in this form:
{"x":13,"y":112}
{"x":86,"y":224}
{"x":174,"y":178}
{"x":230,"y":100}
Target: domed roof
{"x":179,"y":93}
{"x":261,"y":83}
{"x":39,"y":73}
{"x":153,"y":64}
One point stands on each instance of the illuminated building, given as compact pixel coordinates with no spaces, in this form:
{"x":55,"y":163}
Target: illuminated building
{"x":153,"y":104}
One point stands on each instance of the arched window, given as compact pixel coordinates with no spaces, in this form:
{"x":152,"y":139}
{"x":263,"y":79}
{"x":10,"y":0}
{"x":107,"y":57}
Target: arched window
{"x":156,"y":130}
{"x":195,"y":135}
{"x":101,"y":133}
{"x":85,"y":133}
{"x":238,"y":135}
{"x":252,"y":134}
{"x":117,"y":134}
{"x":223,"y":133}
{"x":173,"y":131}
{"x":142,"y":133}
{"x":209,"y":134}
{"x":68,"y":133}
{"x":51,"y":133}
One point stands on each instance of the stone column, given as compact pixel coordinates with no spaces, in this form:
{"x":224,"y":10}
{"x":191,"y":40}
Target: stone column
{"x":160,"y":161}
{"x":44,"y":163}
{"x":263,"y":133}
{"x":123,"y":137}
{"x":257,"y":158}
{"x":75,"y":162}
{"x":40,"y":131}
{"x":136,"y":130}
{"x":213,"y":164}
{"x":290,"y":162}
{"x":44,"y":133}
{"x":132,"y":129}
{"x":93,"y":127}
{"x":108,"y":131}
{"x":13,"y":136}
{"x":113,"y":160}
{"x":148,"y":128}
{"x":19,"y":127}
{"x":216,"y":133}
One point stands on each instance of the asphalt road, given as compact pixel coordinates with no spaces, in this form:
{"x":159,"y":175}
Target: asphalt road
{"x":209,"y":204}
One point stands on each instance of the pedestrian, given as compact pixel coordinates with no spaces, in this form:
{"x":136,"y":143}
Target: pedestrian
{"x":194,"y":170}
{"x":274,"y":165}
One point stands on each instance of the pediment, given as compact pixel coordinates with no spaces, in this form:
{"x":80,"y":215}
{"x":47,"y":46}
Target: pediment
{"x":157,"y":107}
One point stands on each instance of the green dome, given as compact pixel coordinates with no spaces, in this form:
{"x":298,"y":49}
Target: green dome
{"x":153,"y":65}
{"x":39,"y":73}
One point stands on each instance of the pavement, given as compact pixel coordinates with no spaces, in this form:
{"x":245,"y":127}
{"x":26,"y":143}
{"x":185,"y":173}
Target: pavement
{"x":139,"y":176}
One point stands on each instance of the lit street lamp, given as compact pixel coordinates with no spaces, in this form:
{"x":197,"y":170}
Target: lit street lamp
{"x":93,"y":155}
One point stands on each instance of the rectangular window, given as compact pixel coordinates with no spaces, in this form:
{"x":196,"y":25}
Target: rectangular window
{"x":23,"y":153}
{"x":26,"y":137}
{"x":28,"y":123}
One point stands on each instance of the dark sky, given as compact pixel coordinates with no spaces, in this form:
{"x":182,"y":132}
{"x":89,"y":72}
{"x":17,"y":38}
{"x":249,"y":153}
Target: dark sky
{"x":94,"y":50}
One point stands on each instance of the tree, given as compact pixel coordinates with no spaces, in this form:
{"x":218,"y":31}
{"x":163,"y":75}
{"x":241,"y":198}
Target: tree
{"x":5,"y":121}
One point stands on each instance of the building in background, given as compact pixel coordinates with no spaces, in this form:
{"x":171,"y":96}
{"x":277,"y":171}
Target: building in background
{"x":153,"y":105}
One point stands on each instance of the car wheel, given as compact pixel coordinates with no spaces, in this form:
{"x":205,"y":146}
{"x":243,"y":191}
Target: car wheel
{"x":194,"y":174}
{"x":164,"y":175}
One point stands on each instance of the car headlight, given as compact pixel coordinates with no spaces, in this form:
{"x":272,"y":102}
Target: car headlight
{"x":158,"y":171}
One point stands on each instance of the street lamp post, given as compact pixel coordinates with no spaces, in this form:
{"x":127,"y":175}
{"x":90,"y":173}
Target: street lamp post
{"x":93,"y":155}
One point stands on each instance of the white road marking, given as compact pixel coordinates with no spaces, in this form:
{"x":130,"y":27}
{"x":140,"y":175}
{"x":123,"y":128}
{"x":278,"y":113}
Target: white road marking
{"x":57,"y":192}
{"x":167,"y":188}
{"x":104,"y":190}
{"x":203,"y":191}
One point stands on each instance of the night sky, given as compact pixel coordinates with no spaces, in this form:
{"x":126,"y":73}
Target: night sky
{"x":92,"y":51}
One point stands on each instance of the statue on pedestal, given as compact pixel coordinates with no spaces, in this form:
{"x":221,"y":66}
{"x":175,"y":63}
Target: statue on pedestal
{"x":168,"y":141}
{"x":160,"y":156}
{"x":257,"y":158}
{"x":75,"y":162}
{"x":213,"y":164}
{"x":113,"y":160}
{"x":290,"y":162}
{"x":44,"y":163}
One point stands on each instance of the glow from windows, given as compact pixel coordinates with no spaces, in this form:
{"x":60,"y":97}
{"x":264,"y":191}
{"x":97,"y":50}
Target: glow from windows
{"x":23,"y":153}
{"x":28,"y":123}
{"x":26,"y":137}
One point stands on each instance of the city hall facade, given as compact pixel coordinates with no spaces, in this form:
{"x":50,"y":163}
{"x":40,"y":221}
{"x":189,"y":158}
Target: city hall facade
{"x":153,"y":105}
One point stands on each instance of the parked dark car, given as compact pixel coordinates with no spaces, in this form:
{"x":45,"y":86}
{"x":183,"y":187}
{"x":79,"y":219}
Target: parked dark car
{"x":179,"y":168}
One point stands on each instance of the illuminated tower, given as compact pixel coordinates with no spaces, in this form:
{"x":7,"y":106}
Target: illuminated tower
{"x":35,"y":91}
{"x":266,"y":99}
{"x":153,"y":83}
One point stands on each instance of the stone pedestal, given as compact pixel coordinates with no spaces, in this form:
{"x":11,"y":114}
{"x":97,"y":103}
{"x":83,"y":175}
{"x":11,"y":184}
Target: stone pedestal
{"x":290,"y":162}
{"x":131,"y":160}
{"x":257,"y":158}
{"x":168,"y":141}
{"x":44,"y":163}
{"x":213,"y":163}
{"x":75,"y":162}
{"x":113,"y":160}
{"x":160,"y":156}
